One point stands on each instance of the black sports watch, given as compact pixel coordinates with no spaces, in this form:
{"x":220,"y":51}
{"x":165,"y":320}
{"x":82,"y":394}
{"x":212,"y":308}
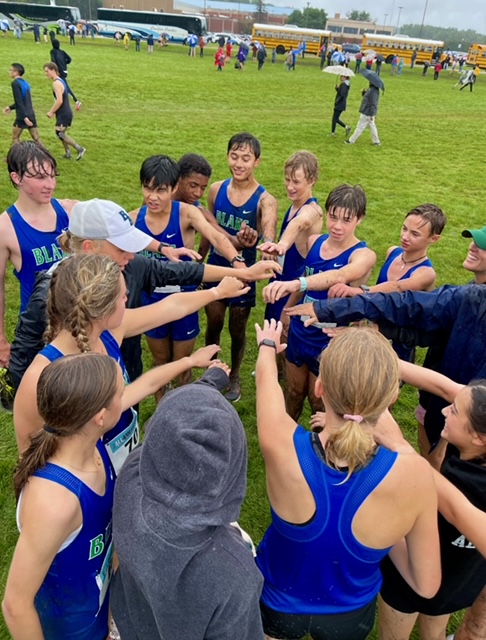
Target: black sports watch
{"x":266,"y":342}
{"x":237,"y":258}
{"x":162,"y":245}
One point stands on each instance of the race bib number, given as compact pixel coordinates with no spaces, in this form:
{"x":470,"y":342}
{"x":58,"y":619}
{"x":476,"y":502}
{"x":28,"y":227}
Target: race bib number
{"x":123,"y":443}
{"x":104,"y":576}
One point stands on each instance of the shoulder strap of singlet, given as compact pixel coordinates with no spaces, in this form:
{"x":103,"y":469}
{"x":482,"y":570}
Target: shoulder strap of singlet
{"x":12,"y":211}
{"x":58,"y":208}
{"x":62,"y":476}
{"x":51,"y":353}
{"x":142,"y":212}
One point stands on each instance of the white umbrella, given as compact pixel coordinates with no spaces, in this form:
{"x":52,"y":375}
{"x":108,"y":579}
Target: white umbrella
{"x":339,"y":70}
{"x":369,"y":52}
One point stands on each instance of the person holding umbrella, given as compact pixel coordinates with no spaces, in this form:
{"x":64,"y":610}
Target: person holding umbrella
{"x":342,"y":91}
{"x":368,"y":108}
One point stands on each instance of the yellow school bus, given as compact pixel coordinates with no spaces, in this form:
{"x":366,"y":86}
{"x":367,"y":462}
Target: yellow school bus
{"x":402,"y":46}
{"x":477,"y":55}
{"x":286,"y":37}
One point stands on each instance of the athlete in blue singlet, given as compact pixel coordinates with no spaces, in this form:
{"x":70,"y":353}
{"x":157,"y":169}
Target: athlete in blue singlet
{"x":62,"y":110}
{"x":174,"y":224}
{"x":407,"y":267}
{"x":307,"y":343}
{"x":240,"y":199}
{"x":334,"y":257}
{"x":320,"y":557}
{"x":30,"y":227}
{"x":124,"y":436}
{"x":186,"y":328}
{"x":60,"y":574}
{"x":39,"y":250}
{"x":293,"y":265}
{"x":302,"y":220}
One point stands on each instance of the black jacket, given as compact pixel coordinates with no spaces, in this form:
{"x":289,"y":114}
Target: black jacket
{"x":141,"y":274}
{"x":60,"y":58}
{"x":341,"y":96}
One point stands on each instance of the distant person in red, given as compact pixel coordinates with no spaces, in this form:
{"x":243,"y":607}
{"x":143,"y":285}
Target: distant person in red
{"x":202,"y":44}
{"x":219,"y":59}
{"x":437,"y":70}
{"x":228,"y":51}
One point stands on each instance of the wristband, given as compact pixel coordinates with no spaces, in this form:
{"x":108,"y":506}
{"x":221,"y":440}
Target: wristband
{"x":266,"y":342}
{"x":364,"y":287}
{"x":303,"y":284}
{"x":237,"y":258}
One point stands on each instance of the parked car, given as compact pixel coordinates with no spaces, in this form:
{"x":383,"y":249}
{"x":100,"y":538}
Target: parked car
{"x":350,"y":47}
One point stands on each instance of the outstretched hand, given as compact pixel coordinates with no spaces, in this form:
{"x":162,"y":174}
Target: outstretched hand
{"x":174,"y":255}
{"x":230,"y":287}
{"x":203,"y":357}
{"x":272,"y":330}
{"x":306,"y":309}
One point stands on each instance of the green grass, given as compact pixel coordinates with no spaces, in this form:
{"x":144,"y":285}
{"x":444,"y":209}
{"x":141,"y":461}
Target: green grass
{"x":135,"y":105}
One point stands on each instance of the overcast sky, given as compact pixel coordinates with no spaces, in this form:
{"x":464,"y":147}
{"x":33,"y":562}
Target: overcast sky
{"x":468,"y":14}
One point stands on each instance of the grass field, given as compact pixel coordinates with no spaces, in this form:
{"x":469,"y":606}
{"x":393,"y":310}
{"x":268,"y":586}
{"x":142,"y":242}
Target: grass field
{"x":136,"y":105}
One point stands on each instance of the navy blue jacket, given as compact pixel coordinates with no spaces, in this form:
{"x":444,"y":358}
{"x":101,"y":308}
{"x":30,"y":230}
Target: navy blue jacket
{"x":453,"y":318}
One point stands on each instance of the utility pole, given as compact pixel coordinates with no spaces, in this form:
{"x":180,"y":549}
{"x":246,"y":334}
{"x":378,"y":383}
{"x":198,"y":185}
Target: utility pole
{"x":384,"y":22}
{"x":307,"y":15}
{"x":423,"y":18}
{"x":398,"y":21}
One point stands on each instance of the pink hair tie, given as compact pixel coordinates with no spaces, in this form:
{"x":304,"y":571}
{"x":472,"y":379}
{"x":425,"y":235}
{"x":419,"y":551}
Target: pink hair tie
{"x":348,"y":416}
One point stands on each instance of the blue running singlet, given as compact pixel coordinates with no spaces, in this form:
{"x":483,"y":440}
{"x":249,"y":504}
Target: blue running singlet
{"x":125,"y":435}
{"x":39,"y":250}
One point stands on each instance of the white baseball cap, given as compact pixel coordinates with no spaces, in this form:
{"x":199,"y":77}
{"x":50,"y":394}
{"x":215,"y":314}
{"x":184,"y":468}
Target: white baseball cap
{"x":105,"y":220}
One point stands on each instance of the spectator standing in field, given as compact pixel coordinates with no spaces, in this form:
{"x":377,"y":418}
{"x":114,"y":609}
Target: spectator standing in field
{"x":22,"y":105}
{"x":322,"y":56}
{"x":368,"y":111}
{"x":229,"y":49}
{"x":46,"y":33}
{"x":202,"y":44}
{"x":150,"y":43}
{"x":437,"y":70}
{"x":400,"y":66}
{"x":426,"y":68}
{"x":394,"y":66}
{"x":358,"y":57}
{"x":261,"y":56}
{"x":30,"y":227}
{"x":62,"y":59}
{"x":340,"y":106}
{"x":274,"y":55}
{"x":378,"y":63}
{"x":414,"y":57}
{"x":136,"y":37}
{"x":126,"y":40}
{"x":219,"y":59}
{"x":72,"y":34}
{"x":37,"y":33}
{"x":62,"y":110}
{"x":118,"y":37}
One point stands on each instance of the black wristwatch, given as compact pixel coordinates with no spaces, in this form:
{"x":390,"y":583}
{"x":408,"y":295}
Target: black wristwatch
{"x":364,"y":287}
{"x":162,"y":245}
{"x":266,"y":342}
{"x":237,"y":258}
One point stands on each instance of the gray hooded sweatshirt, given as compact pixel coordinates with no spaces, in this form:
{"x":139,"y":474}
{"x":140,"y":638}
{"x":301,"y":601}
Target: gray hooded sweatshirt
{"x":185,"y":572}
